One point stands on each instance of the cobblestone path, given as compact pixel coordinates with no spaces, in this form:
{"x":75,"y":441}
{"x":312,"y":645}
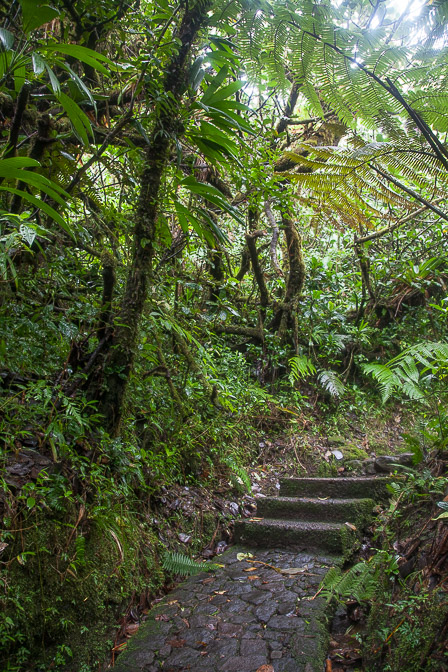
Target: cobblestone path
{"x":235,"y":620}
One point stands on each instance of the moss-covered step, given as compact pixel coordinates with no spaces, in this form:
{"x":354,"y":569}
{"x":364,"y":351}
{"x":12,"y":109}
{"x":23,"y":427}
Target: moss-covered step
{"x":356,"y":511}
{"x":293,"y":534}
{"x":341,"y":488}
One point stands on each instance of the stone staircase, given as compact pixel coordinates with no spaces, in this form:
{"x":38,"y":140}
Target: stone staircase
{"x":320,"y":514}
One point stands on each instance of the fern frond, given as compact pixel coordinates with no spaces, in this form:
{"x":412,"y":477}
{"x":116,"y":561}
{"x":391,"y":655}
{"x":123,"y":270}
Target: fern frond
{"x":301,"y":366}
{"x":385,"y":377}
{"x":359,"y":582}
{"x":402,"y":373}
{"x":238,"y":472}
{"x":177,"y":563}
{"x":331,"y":383}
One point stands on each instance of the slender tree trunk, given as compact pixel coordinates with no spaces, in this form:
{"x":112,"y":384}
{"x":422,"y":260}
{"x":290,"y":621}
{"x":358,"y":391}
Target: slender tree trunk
{"x":295,"y":282}
{"x":119,"y":359}
{"x":366,"y":287}
{"x":256,"y":267}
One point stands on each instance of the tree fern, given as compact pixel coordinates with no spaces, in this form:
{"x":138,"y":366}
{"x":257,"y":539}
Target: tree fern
{"x":352,"y":183}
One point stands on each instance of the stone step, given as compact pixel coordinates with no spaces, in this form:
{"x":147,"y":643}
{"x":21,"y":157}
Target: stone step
{"x":356,"y":511}
{"x":293,"y":534}
{"x":338,"y":488}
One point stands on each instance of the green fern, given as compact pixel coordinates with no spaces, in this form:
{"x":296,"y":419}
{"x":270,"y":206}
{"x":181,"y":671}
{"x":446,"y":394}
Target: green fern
{"x":359,"y":583}
{"x":331,"y":383}
{"x":302,"y":366}
{"x":412,"y":371}
{"x":238,"y":472}
{"x":177,"y":563}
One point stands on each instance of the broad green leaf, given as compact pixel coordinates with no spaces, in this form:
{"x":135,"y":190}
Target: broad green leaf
{"x":80,"y":85}
{"x":442,"y":515}
{"x":221,"y":58}
{"x":223,"y":45}
{"x":37,"y":181}
{"x":213,"y":147}
{"x":230,"y":119}
{"x":88,"y":56}
{"x":53,"y":80}
{"x":6,"y":39}
{"x":38,"y":63}
{"x":196,"y":73}
{"x":209,"y":150}
{"x":213,"y":195}
{"x":41,"y":205}
{"x":216,"y":83}
{"x":187,"y":218}
{"x":219,"y":233}
{"x":211,"y":98}
{"x":17,"y":162}
{"x":35,"y":14}
{"x":78,"y":118}
{"x":19,"y":77}
{"x":219,"y":137}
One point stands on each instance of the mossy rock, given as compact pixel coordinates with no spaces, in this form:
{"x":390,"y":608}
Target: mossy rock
{"x":353,"y":452}
{"x":64,"y":595}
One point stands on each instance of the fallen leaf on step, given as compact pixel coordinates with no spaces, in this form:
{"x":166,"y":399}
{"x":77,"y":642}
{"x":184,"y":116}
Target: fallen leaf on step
{"x":244,"y":556}
{"x":176,"y":643}
{"x":322,"y":499}
{"x":265,"y":668}
{"x":220,"y":592}
{"x":252,"y":577}
{"x":255,"y":520}
{"x":293,"y":570}
{"x":250,"y":569}
{"x":351,"y":527}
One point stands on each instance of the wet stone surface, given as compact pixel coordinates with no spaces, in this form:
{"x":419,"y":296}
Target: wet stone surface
{"x":234,"y":620}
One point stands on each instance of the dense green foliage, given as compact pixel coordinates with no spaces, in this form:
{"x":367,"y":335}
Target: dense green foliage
{"x":212,"y":219}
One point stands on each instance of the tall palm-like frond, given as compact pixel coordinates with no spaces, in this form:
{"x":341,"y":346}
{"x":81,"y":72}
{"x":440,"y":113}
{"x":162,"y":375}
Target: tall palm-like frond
{"x":361,"y":183}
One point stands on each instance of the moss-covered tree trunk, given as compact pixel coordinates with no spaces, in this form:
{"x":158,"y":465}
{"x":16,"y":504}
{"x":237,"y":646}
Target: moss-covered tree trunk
{"x":287,"y":311}
{"x":119,"y":358}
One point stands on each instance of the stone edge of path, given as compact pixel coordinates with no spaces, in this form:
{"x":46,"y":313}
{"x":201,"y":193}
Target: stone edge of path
{"x":309,"y":647}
